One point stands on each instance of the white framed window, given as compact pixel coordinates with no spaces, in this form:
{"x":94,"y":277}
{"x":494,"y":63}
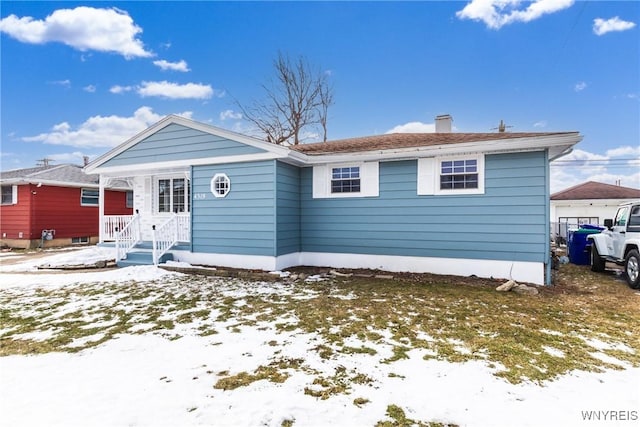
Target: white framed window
{"x":172,"y":195}
{"x":451,"y":175}
{"x":220,"y":185}
{"x":460,"y":174}
{"x":80,"y":240}
{"x":9,"y":194}
{"x":346,"y":180}
{"x":89,"y":197}
{"x":129,"y":199}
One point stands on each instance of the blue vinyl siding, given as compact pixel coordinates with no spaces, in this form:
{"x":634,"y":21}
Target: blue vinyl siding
{"x":176,"y":142}
{"x":241,"y":223}
{"x":505,"y":223}
{"x":288,"y":209}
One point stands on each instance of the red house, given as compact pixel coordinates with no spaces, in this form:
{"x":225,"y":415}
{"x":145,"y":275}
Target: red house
{"x":55,"y":206}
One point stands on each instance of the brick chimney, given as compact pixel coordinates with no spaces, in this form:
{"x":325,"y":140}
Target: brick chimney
{"x":443,"y":123}
{"x":86,"y":160}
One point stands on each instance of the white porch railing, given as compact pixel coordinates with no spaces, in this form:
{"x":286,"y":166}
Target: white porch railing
{"x":184,"y":227}
{"x":113,"y":224}
{"x":165,"y":236}
{"x":127,"y":238}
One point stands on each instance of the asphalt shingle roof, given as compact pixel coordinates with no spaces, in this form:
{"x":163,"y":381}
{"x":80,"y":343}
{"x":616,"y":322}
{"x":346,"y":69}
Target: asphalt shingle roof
{"x":596,"y":190}
{"x":409,"y":140}
{"x":71,"y":174}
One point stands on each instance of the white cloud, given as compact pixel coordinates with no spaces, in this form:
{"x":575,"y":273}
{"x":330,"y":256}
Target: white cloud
{"x":100,"y":131}
{"x":120,"y":89}
{"x":83,"y":28}
{"x":230,"y":114}
{"x":413,"y":127}
{"x":581,"y":166}
{"x":64,"y":83}
{"x":76,"y":157}
{"x":601,"y":26}
{"x":626,"y":151}
{"x":89,"y":88}
{"x":580,"y":86}
{"x":170,"y":90}
{"x":172,"y":66}
{"x":540,"y":124}
{"x":497,"y":13}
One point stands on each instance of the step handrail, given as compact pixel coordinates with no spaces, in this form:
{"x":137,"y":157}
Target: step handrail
{"x":128,"y":237}
{"x":164,"y":237}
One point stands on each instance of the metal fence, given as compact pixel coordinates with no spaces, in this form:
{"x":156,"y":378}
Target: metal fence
{"x":560,"y":231}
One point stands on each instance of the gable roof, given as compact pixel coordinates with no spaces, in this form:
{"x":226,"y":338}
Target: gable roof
{"x":393,"y":146}
{"x":596,"y":190}
{"x":272,"y":149}
{"x":69,"y":174}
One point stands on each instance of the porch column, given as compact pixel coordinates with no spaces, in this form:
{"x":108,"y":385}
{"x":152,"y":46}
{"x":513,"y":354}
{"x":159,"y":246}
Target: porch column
{"x":101,"y":209}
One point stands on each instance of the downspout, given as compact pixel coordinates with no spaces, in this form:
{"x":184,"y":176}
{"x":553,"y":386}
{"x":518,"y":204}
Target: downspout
{"x":547,"y":218}
{"x":191,"y":207}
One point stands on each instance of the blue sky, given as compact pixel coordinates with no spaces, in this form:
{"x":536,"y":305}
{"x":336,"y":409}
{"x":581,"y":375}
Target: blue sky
{"x":79,"y":78}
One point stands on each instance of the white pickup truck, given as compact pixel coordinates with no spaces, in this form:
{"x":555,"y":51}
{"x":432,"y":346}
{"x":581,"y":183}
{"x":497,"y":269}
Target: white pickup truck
{"x":619,"y":243}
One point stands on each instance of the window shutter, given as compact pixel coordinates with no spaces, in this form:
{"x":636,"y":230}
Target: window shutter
{"x":427,"y":176}
{"x":14,"y":194}
{"x":149,"y":196}
{"x":320,"y":182}
{"x":370,"y":181}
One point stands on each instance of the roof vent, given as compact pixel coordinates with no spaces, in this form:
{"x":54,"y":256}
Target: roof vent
{"x":443,"y":123}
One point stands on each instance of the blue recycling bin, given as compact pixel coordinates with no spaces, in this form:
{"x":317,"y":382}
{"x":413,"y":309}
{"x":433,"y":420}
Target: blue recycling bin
{"x":578,"y":247}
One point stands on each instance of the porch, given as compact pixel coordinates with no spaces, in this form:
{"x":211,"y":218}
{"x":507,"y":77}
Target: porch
{"x":136,"y":244}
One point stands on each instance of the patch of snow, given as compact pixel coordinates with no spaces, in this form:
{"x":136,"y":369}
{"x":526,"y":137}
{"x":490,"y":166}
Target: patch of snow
{"x":610,"y":359}
{"x":149,"y":380}
{"x":553,"y":351}
{"x":602,"y":345}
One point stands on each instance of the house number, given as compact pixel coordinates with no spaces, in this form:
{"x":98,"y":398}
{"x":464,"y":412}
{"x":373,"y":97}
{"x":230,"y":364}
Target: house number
{"x":200,"y":196}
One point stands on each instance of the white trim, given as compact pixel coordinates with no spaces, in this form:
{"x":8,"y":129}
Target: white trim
{"x":216,"y":193}
{"x":429,"y":175}
{"x":82,"y":196}
{"x":139,"y":168}
{"x":271,"y":149}
{"x":529,"y":272}
{"x":253,"y":262}
{"x":14,"y":195}
{"x":426,"y":180}
{"x":369,"y":180}
{"x":558,"y":146}
{"x":452,"y":192}
{"x":521,"y":271}
{"x":156,"y":195}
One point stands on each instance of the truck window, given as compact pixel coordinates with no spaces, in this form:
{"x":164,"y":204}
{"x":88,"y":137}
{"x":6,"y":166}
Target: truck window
{"x":634,"y":219}
{"x":621,"y":217}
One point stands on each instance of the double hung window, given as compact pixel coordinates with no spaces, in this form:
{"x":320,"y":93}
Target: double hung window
{"x":173,"y":195}
{"x":8,"y":194}
{"x":345,"y":180}
{"x":451,"y":175}
{"x":459,"y":174}
{"x":89,"y":197}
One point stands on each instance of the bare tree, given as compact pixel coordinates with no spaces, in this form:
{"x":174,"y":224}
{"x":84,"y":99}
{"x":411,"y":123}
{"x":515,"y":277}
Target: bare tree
{"x":297,"y":98}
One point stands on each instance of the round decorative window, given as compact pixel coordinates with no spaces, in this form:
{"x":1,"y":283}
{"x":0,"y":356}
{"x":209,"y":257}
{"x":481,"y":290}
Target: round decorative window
{"x":220,"y":185}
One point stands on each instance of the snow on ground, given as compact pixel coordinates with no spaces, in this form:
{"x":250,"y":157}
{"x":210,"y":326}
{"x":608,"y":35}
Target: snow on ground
{"x":150,"y":380}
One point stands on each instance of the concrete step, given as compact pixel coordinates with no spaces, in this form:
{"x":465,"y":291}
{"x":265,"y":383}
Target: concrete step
{"x":142,"y":257}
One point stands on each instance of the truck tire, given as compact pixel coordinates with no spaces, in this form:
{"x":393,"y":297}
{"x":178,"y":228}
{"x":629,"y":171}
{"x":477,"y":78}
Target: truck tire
{"x":597,"y":262}
{"x":632,"y":268}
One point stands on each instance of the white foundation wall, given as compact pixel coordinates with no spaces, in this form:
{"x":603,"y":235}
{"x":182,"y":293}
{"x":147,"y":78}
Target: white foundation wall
{"x":525,"y":272}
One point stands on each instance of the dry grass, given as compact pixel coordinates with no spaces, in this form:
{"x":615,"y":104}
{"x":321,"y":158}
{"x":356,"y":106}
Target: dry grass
{"x":526,"y":338}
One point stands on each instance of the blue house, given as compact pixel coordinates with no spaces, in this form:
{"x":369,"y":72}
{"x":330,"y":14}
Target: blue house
{"x":444,"y":202}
